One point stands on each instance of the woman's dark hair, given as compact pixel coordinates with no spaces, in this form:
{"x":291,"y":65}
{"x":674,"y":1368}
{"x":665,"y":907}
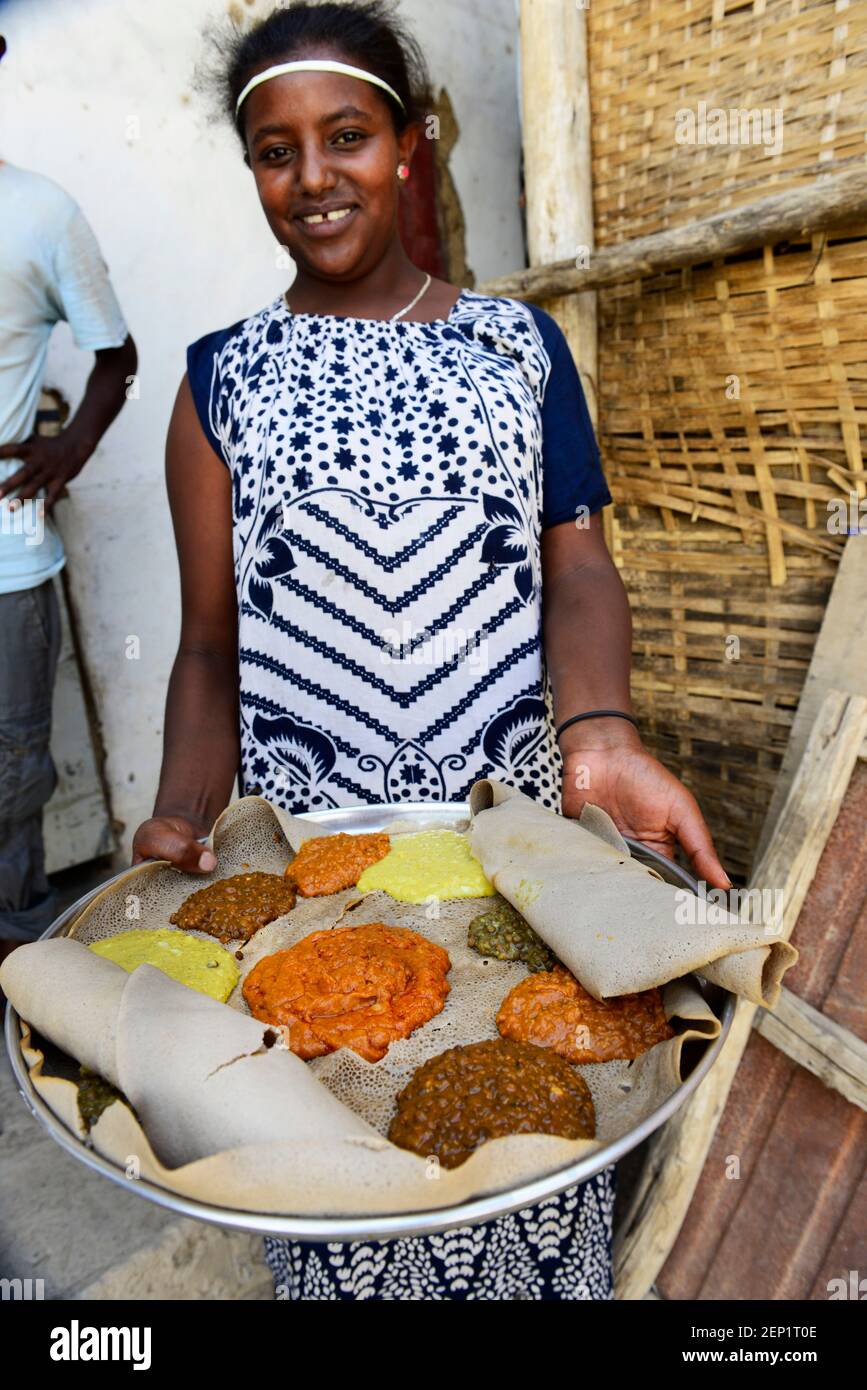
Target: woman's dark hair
{"x":367,"y":33}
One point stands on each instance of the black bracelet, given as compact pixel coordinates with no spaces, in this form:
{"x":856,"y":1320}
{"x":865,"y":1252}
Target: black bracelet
{"x":597,"y":714}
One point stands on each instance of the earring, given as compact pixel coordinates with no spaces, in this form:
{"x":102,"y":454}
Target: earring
{"x":403,"y":171}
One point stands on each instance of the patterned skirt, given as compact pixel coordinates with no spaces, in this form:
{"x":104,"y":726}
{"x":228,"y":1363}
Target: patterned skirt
{"x":559,"y":1249}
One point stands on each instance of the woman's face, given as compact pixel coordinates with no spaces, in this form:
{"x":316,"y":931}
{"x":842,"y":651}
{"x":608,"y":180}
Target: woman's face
{"x":320,"y":140}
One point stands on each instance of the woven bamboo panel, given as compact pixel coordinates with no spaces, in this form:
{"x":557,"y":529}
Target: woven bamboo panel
{"x":736,"y":394}
{"x":732,"y":395}
{"x":719,"y":658}
{"x":651,"y":59}
{"x":733,"y":409}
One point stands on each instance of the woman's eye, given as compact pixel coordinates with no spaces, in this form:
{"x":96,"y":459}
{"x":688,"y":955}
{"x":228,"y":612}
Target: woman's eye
{"x":352,"y":135}
{"x":276,"y":152}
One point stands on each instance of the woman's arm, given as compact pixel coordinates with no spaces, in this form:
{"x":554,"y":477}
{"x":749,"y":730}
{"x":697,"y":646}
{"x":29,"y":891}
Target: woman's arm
{"x":201,"y":742}
{"x":588,"y":646}
{"x":587,"y":632}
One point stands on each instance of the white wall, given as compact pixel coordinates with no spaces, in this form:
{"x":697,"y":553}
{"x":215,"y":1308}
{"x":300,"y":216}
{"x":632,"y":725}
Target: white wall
{"x":176,"y":214}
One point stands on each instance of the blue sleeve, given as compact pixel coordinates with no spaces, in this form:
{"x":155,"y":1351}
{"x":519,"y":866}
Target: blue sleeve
{"x":572,"y":473}
{"x":204,"y":377}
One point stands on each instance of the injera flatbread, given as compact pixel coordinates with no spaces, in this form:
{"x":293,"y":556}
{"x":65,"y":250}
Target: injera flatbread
{"x":612,"y":921}
{"x":227,"y":1119}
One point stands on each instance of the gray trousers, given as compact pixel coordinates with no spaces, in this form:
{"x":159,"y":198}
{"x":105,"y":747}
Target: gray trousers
{"x":29,"y":646}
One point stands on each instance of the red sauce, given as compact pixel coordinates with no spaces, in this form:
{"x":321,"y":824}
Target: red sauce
{"x":358,"y":987}
{"x":554,"y":1010}
{"x":329,"y":863}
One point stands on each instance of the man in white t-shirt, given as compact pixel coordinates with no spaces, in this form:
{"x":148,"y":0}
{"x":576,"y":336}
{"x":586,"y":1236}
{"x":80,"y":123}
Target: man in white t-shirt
{"x":51,"y":269}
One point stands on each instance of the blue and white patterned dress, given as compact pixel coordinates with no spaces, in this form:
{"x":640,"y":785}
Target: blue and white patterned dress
{"x":390,"y":483}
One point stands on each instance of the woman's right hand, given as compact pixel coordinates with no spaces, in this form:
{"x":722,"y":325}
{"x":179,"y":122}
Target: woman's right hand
{"x":176,"y":839}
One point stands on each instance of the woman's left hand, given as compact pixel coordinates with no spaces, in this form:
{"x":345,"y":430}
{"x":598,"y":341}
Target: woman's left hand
{"x":645,"y":801}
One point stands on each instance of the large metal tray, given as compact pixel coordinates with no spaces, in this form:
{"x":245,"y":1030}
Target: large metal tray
{"x":368,"y":818}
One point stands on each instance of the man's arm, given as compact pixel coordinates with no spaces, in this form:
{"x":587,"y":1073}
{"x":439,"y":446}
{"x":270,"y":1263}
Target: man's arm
{"x":49,"y":463}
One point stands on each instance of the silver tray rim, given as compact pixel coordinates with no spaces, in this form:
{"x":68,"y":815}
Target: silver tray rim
{"x":430,"y":1221}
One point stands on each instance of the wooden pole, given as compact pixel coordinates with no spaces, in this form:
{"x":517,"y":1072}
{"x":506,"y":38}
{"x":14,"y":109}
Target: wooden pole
{"x":829,"y":201}
{"x":555,"y":109}
{"x":839,"y":659}
{"x":677,"y":1156}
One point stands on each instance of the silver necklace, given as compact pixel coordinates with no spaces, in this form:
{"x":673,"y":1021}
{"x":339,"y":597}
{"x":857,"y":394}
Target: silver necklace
{"x":412,"y":302}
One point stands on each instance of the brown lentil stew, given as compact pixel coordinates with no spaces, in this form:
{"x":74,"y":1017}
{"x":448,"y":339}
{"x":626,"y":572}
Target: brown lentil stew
{"x":232,"y":909}
{"x":555,"y":1011}
{"x":467,"y":1095}
{"x":330,"y":863}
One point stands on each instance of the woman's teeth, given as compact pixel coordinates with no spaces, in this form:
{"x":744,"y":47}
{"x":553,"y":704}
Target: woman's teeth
{"x":334,"y":216}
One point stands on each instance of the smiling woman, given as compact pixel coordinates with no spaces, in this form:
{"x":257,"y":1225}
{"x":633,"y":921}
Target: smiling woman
{"x":379,"y":450}
{"x":328,"y":126}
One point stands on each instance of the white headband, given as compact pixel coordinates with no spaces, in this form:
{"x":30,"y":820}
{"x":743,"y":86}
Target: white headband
{"x":314,"y":65}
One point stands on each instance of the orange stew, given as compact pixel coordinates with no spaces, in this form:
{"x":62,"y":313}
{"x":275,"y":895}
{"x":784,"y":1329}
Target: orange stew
{"x":358,"y":987}
{"x":554,"y":1010}
{"x":331,"y":862}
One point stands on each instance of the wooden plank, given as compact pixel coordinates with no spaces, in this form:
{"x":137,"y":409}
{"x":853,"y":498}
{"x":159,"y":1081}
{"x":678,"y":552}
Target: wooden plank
{"x":77,"y":825}
{"x":813,"y":802}
{"x":555,"y":113}
{"x":678,"y":1153}
{"x":846,"y":1253}
{"x":831,"y":1052}
{"x":737,"y":1234}
{"x":829,"y":201}
{"x":555,"y":119}
{"x":795,"y":1185}
{"x":839,"y":659}
{"x":76,"y":821}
